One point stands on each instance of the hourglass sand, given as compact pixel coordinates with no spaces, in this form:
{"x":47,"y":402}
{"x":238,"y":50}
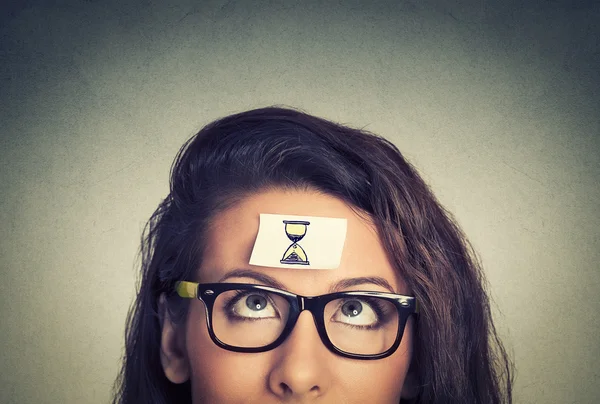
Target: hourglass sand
{"x":295,"y":254}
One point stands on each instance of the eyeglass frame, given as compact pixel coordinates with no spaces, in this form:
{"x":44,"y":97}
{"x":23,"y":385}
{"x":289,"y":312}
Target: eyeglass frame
{"x":208,"y":293}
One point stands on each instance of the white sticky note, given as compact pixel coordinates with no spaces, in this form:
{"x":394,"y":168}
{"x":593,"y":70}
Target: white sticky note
{"x":299,"y":242}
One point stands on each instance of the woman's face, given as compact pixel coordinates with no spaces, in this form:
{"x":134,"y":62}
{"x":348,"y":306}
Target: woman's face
{"x":302,"y":369}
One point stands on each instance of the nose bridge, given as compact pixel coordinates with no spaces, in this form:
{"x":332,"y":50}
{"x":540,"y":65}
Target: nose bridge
{"x":308,"y":303}
{"x":311,"y":304}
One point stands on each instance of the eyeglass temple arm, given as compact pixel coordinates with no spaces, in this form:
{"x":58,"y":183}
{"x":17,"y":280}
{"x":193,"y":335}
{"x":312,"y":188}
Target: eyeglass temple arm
{"x":188,"y":290}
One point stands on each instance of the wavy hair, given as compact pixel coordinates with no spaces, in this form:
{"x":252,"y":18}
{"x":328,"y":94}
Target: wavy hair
{"x":458,"y":356}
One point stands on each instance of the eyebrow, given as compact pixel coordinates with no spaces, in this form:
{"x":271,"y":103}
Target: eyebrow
{"x":257,"y":276}
{"x":363,"y":280}
{"x":336,"y":287}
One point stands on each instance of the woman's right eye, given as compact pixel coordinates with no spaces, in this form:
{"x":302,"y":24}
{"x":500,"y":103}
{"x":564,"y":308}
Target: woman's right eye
{"x":254,"y":306}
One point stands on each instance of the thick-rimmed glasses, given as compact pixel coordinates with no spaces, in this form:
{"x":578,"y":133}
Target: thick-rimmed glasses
{"x":254,"y":318}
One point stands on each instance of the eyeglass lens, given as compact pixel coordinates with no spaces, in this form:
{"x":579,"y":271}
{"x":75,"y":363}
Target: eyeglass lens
{"x":354,"y":324}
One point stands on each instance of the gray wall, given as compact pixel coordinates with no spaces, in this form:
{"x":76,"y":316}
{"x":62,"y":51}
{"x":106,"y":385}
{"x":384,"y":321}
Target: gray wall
{"x":497,"y":105}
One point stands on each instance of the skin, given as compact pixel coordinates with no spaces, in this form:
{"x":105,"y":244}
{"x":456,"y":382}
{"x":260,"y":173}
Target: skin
{"x":302,"y":369}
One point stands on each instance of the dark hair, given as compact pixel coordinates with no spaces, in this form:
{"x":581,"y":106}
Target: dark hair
{"x":458,"y":355}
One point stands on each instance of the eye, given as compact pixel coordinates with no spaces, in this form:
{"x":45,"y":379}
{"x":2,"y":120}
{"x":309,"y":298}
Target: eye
{"x":356,"y":312}
{"x":256,"y":302}
{"x":252,"y":305}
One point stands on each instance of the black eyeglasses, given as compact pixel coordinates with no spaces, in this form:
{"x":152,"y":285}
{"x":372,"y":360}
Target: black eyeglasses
{"x":254,"y":318}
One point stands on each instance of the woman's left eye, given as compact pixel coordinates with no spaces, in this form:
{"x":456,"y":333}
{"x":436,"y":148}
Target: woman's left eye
{"x":356,"y":312}
{"x":254,"y":306}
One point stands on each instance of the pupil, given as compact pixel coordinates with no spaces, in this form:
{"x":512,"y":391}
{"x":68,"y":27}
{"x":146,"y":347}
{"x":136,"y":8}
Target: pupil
{"x":352,"y":308}
{"x":256,"y":302}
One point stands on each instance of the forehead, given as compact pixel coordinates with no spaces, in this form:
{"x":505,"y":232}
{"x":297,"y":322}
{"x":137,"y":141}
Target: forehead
{"x":230,"y":238}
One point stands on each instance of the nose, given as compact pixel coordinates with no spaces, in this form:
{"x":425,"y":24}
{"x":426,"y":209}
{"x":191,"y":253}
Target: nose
{"x":299,"y":368}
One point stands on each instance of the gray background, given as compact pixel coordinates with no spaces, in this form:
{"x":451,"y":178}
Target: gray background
{"x":496,"y":103}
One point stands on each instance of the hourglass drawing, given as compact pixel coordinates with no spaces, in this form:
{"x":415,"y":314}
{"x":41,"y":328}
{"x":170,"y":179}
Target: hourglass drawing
{"x":295,"y":254}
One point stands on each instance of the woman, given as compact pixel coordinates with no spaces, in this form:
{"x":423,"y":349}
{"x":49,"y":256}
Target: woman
{"x":214,"y":322}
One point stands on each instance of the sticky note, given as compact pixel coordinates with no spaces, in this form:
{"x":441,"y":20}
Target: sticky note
{"x":299,"y":242}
